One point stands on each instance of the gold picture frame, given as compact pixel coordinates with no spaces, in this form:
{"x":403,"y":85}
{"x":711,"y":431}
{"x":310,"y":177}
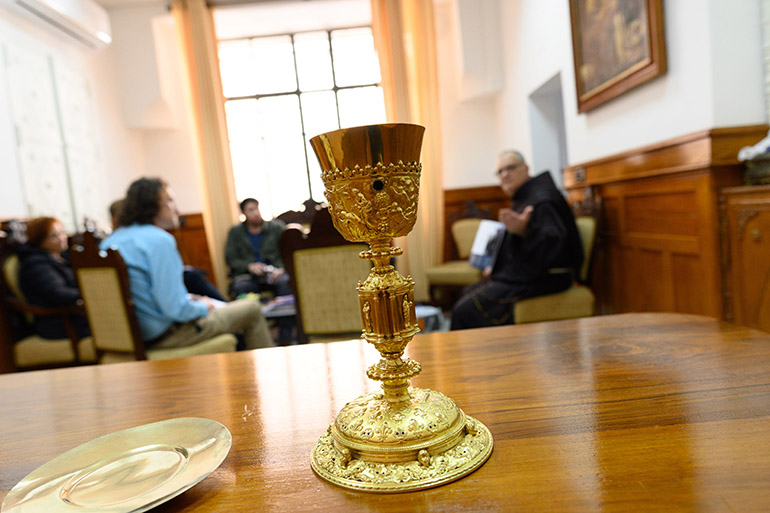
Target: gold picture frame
{"x":617,"y":45}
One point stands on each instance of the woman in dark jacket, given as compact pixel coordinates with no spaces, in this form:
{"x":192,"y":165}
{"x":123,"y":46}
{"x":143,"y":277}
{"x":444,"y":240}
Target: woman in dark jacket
{"x":46,"y":279}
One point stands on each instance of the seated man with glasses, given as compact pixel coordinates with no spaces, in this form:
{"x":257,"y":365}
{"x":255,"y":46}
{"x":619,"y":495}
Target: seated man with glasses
{"x":540,"y":252}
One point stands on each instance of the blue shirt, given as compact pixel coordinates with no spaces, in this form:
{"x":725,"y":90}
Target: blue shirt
{"x":155,"y":273}
{"x":256,"y":244}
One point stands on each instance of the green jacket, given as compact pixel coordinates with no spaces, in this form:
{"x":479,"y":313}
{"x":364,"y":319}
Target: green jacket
{"x":239,"y":253}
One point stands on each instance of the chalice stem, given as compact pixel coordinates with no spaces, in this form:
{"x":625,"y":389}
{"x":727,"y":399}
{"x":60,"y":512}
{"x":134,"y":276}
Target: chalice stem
{"x":381,"y":252}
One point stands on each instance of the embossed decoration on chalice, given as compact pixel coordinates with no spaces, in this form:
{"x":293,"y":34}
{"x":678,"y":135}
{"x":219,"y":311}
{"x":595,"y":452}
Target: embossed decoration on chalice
{"x":401,"y":438}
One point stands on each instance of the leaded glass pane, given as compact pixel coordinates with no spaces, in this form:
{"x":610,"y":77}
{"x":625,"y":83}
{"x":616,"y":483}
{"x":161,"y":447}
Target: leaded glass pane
{"x":274,"y":60}
{"x":237,"y":68}
{"x":361,"y":106}
{"x":314,"y":64}
{"x":355,"y":60}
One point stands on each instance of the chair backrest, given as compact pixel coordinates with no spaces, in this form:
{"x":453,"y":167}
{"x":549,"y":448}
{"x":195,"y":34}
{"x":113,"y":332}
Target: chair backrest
{"x":103,"y":280}
{"x":11,"y":268}
{"x":326,"y":281}
{"x":586,"y":226}
{"x":304,"y":217}
{"x":463,"y":233}
{"x":10,"y":283}
{"x":324,"y":269}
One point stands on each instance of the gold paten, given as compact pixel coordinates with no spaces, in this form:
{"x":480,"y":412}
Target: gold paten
{"x":402,"y":438}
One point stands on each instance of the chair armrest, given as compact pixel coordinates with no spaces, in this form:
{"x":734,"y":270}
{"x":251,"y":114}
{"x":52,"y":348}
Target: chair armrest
{"x":21,"y":306}
{"x":62,"y":311}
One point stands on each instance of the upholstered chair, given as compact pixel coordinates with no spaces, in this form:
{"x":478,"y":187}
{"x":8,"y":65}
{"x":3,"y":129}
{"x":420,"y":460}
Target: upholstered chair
{"x":103,"y":280}
{"x":448,"y":279}
{"x":577,"y":301}
{"x":324,"y":270}
{"x":33,"y":351}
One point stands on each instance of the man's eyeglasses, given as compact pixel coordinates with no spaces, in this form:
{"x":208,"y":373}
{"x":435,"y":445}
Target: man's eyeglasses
{"x":510,"y":168}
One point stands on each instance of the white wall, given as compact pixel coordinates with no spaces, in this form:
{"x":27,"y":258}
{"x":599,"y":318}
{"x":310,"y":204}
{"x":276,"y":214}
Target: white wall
{"x":281,"y":17}
{"x":714,"y":79}
{"x":124,"y":155}
{"x":140,"y":105}
{"x":469,"y":131}
{"x":35,"y":183}
{"x":546,"y":121}
{"x":12,"y":197}
{"x":737,"y":62}
{"x":149,"y":77}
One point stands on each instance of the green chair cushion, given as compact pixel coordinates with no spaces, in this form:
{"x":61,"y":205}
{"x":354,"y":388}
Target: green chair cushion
{"x":456,"y":272}
{"x":224,"y":343}
{"x":35,"y":351}
{"x":577,"y":301}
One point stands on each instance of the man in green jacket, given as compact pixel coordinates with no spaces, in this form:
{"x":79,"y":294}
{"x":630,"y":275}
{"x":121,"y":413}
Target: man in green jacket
{"x":253,"y":255}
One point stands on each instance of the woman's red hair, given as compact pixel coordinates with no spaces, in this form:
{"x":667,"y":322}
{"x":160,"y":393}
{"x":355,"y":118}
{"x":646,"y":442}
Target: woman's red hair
{"x":38,"y":229}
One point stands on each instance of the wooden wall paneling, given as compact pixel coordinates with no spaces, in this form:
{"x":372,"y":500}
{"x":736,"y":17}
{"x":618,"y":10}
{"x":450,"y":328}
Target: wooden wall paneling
{"x":193,"y":246}
{"x":659,"y":241}
{"x":662,"y":223}
{"x":686,"y":270}
{"x":489,"y":200}
{"x":708,"y":213}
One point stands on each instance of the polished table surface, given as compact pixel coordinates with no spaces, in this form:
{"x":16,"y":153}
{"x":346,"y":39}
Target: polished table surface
{"x":636,"y":412}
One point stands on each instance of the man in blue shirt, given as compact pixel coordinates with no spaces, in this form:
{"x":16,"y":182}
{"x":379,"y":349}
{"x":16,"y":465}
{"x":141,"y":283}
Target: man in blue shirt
{"x":168,"y":316}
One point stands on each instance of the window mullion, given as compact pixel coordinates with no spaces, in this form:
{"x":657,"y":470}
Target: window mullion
{"x":334,"y":78}
{"x":301,"y":118}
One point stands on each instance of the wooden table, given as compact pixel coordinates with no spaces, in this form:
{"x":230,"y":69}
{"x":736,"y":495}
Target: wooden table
{"x":637,"y":412}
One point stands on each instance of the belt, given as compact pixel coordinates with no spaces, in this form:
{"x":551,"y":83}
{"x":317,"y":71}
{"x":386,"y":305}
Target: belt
{"x":170,"y":331}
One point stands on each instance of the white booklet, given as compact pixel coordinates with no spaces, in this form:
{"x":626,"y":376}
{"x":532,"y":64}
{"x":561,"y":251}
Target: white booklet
{"x":216,"y":302}
{"x":486,"y":244}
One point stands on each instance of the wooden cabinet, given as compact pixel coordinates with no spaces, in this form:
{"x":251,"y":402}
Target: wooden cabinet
{"x":745,"y":228}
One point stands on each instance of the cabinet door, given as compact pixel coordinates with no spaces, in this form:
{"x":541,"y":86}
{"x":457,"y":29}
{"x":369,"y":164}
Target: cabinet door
{"x":749,"y":263}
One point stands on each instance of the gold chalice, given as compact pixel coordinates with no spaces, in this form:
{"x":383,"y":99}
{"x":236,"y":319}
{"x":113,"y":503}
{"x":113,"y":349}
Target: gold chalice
{"x":401,"y":438}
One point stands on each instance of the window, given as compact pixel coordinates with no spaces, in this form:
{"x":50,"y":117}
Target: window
{"x":283,"y":90}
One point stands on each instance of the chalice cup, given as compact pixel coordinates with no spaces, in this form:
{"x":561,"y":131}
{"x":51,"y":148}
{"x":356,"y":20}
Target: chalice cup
{"x":400,"y":438}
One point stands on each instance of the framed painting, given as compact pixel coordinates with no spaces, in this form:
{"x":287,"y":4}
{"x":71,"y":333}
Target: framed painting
{"x":617,"y":45}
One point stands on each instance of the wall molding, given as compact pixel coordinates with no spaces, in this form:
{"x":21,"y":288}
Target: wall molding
{"x":691,"y":152}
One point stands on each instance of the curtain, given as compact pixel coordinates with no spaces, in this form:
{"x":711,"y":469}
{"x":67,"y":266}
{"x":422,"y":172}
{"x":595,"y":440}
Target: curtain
{"x":406,"y":44}
{"x":220,"y":212}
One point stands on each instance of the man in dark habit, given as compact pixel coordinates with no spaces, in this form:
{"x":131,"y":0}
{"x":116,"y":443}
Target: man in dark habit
{"x":541,"y":252}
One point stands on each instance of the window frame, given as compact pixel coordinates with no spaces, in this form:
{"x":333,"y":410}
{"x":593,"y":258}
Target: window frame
{"x":297,"y":92}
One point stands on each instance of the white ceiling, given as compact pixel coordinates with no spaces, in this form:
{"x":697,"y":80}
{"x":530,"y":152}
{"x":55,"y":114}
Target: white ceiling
{"x":109,"y":4}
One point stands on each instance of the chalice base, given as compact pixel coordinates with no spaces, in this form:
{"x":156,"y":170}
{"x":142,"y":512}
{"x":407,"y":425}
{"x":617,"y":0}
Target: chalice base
{"x":356,"y":457}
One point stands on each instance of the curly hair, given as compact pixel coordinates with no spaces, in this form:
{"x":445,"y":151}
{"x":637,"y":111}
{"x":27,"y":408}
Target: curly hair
{"x":38,"y":229}
{"x":142,"y":202}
